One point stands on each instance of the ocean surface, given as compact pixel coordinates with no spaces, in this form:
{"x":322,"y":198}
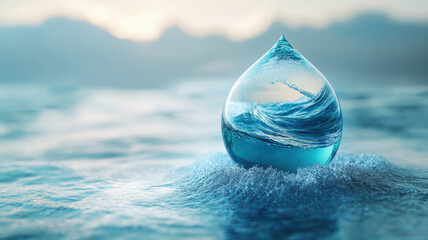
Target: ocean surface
{"x":150,"y":164}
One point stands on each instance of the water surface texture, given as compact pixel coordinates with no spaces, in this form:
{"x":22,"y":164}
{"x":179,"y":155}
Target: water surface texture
{"x":126,"y":164}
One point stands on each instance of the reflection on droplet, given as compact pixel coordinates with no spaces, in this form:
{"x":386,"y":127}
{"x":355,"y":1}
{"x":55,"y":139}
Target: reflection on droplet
{"x":282,"y":112}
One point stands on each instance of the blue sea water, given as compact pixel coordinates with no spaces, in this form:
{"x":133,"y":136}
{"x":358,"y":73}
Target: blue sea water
{"x":287,"y":135}
{"x":125,"y":164}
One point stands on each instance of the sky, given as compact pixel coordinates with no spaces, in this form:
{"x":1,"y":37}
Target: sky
{"x":146,"y":20}
{"x":87,"y":42}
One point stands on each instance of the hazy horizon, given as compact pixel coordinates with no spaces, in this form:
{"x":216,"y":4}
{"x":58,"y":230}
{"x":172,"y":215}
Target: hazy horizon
{"x":242,"y":19}
{"x":370,"y":48}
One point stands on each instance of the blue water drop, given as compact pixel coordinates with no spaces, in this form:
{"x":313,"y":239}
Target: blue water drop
{"x":283,"y":113}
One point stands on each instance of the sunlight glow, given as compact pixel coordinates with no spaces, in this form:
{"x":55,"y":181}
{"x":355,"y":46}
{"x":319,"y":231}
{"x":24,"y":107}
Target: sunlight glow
{"x":146,"y":20}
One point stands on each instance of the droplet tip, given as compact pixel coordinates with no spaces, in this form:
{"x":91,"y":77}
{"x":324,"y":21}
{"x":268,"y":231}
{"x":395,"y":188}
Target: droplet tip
{"x":283,"y":41}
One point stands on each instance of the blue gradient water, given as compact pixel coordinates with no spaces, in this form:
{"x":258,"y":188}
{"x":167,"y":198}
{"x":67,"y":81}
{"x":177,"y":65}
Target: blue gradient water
{"x":282,"y":113}
{"x":286,"y":135}
{"x":125,"y":164}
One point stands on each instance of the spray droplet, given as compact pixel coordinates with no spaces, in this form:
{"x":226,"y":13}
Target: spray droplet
{"x":282,"y":112}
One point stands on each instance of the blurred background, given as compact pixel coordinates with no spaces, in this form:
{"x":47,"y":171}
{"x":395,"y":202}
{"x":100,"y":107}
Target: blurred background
{"x":155,"y":43}
{"x":375,"y":54}
{"x":98,"y":95}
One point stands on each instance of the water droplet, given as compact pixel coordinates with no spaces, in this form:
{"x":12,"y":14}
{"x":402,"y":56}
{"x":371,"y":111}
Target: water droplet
{"x":282,"y":112}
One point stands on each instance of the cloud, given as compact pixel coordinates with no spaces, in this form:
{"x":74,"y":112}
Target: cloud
{"x":146,"y":20}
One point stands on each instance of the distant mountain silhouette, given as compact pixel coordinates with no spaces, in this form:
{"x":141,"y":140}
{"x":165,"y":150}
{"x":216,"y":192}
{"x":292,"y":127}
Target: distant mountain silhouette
{"x":367,"y":49}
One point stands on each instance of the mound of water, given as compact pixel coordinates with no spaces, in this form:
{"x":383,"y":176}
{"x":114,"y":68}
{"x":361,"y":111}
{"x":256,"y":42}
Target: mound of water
{"x":312,"y":203}
{"x":350,"y":177}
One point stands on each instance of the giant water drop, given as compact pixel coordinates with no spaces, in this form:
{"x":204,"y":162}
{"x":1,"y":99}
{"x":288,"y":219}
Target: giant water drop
{"x":282,"y":112}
